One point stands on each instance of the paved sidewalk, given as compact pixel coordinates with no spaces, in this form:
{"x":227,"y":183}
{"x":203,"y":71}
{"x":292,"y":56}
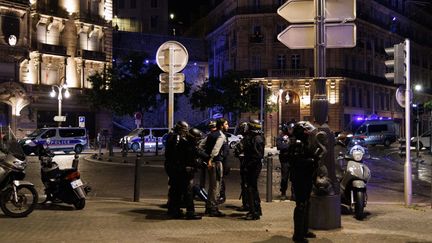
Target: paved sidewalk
{"x":115,"y":220}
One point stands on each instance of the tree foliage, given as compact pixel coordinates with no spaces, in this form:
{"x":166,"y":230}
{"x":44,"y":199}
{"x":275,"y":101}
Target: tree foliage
{"x":130,"y":86}
{"x":230,"y":93}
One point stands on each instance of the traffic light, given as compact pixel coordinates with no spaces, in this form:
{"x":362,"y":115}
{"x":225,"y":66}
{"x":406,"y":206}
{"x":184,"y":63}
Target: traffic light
{"x":397,"y":66}
{"x":402,"y":147}
{"x":420,"y":109}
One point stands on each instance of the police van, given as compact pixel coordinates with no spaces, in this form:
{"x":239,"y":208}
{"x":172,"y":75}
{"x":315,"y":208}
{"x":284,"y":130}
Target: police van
{"x":64,"y":139}
{"x":378,"y":131}
{"x":152,"y":136}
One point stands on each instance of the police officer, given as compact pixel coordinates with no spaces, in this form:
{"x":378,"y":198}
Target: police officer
{"x":191,"y":160}
{"x":174,"y":167}
{"x":303,"y":165}
{"x":253,"y":156}
{"x":239,"y":153}
{"x":282,"y":144}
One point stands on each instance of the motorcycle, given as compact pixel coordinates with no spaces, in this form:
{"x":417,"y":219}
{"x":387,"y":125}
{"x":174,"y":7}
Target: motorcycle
{"x":62,"y":185}
{"x":354,"y":180}
{"x":18,"y":198}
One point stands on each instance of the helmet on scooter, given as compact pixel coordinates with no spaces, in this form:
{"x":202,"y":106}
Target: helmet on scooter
{"x":357,"y":152}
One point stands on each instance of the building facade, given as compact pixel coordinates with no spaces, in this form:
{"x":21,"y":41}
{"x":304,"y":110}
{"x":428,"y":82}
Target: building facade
{"x":62,"y":44}
{"x":146,"y":16}
{"x":242,"y":36}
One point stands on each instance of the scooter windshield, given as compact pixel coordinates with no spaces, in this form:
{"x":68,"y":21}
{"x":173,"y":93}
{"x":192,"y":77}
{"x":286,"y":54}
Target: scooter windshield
{"x":15,"y":149}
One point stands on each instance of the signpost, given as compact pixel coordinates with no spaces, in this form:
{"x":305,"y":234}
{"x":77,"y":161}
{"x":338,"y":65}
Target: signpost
{"x":323,"y":26}
{"x":81,"y":121}
{"x":171,"y":57}
{"x":303,"y":36}
{"x":299,"y":11}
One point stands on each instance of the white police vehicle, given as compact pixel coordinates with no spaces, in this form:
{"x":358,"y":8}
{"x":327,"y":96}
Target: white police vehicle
{"x":151,"y":135}
{"x":64,"y":139}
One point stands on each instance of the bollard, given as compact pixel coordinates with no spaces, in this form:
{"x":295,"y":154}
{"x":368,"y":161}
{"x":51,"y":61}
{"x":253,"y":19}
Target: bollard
{"x":269,"y":191}
{"x":75,"y":162}
{"x":110,"y":147}
{"x":137,"y":181}
{"x":157,"y":145}
{"x":124,"y":151}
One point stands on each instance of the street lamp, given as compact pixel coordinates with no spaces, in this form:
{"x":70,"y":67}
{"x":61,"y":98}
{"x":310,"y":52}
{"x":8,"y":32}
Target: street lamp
{"x":280,"y":106}
{"x":60,"y":88}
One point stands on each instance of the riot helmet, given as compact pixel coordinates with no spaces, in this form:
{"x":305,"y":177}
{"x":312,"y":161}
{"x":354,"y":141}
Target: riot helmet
{"x":181,"y":127}
{"x":211,"y":125}
{"x":242,"y":128}
{"x":254,"y":125}
{"x":196,"y":133}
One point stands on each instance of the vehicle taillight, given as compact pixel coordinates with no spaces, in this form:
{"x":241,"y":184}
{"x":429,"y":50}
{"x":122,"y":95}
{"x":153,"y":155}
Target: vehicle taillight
{"x":73,"y":175}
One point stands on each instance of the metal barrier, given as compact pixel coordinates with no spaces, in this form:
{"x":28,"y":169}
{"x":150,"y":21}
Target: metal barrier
{"x":137,"y":181}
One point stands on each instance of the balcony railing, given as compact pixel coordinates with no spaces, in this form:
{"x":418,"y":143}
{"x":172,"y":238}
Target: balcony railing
{"x":92,"y":55}
{"x":51,"y":49}
{"x":289,"y":72}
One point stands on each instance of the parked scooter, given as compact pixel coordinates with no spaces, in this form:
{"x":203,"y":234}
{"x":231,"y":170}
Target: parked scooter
{"x":354,"y":180}
{"x":18,"y":198}
{"x":62,"y":185}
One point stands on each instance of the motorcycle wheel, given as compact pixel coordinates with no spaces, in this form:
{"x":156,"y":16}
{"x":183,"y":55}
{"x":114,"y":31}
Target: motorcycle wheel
{"x":26,"y":201}
{"x":359,"y":198}
{"x":80,"y":204}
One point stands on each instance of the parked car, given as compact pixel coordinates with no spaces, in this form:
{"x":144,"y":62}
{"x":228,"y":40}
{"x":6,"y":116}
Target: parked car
{"x":65,"y":139}
{"x":133,"y":138}
{"x":424,"y":140}
{"x":233,"y":139}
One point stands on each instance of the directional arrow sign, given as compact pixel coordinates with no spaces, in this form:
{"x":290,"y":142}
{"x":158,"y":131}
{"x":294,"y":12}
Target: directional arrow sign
{"x":302,"y":36}
{"x":177,"y":77}
{"x":177,"y":87}
{"x":303,"y":11}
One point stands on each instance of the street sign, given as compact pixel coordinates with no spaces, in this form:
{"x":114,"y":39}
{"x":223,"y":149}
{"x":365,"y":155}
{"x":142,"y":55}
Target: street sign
{"x":177,"y":77}
{"x":303,"y":11}
{"x":179,"y":59}
{"x":81,"y":121}
{"x":177,"y":87}
{"x":60,"y":118}
{"x":302,"y":36}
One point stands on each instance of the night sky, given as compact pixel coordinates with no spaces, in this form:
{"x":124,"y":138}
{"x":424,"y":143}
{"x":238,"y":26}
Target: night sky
{"x":188,"y":11}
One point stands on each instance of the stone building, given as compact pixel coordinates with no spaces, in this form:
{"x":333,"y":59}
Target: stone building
{"x":242,"y":36}
{"x":59,"y":44}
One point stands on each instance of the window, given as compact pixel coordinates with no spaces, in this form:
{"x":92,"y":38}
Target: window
{"x":377,"y":128}
{"x":295,"y":61}
{"x":68,"y":133}
{"x":281,"y":61}
{"x":49,"y":134}
{"x":360,"y":98}
{"x":346,"y":99}
{"x":153,"y":22}
{"x":353,"y":97}
{"x":153,"y":4}
{"x":368,"y":104}
{"x":121,"y":4}
{"x":133,"y":3}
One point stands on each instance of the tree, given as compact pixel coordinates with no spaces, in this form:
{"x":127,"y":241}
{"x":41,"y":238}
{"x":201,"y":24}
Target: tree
{"x":132,"y":85}
{"x":230,"y":93}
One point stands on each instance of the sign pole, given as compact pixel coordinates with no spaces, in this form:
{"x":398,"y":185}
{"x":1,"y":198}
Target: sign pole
{"x":170,"y":89}
{"x":407,"y":166}
{"x":324,"y":212}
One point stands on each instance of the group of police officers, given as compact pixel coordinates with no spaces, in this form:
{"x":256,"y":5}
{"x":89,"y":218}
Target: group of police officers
{"x":188,"y":150}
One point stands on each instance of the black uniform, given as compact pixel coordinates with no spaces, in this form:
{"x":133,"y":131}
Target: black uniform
{"x":239,"y":153}
{"x":253,"y":156}
{"x":303,"y":165}
{"x":181,"y":163}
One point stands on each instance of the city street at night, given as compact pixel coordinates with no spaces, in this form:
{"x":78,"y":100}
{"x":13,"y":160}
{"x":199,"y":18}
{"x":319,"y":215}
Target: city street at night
{"x":112,"y":216}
